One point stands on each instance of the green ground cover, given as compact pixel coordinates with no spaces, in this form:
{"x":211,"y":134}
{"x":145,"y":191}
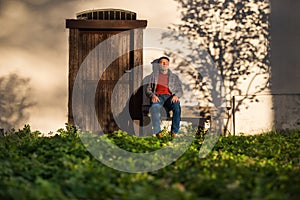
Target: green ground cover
{"x":265,"y":166}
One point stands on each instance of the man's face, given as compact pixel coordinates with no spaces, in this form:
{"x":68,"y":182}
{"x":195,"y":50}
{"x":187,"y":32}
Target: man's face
{"x":163,"y":65}
{"x":164,"y":62}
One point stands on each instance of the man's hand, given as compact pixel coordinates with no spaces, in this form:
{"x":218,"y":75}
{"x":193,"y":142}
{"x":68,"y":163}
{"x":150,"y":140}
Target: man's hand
{"x":174,"y":99}
{"x":155,"y":99}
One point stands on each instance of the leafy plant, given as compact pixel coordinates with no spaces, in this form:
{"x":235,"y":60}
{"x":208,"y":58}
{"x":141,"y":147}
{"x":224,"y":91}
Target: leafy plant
{"x":265,"y":166}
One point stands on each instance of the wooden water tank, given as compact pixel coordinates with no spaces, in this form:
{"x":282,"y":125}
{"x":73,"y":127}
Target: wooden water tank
{"x":85,"y":33}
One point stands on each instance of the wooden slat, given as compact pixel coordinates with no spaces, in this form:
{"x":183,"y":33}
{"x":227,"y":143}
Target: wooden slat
{"x":73,"y":67}
{"x":137,"y":75}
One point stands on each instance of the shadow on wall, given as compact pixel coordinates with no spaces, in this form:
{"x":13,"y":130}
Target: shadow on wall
{"x":236,"y":35}
{"x":14,"y":101}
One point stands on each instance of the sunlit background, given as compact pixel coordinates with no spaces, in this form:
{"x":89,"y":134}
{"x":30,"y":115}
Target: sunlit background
{"x":34,"y":56}
{"x":34,"y":44}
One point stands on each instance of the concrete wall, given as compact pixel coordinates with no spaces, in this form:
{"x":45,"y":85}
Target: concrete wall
{"x":285,"y":63}
{"x":285,"y":46}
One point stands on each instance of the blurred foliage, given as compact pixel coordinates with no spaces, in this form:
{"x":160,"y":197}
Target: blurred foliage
{"x":265,"y":166}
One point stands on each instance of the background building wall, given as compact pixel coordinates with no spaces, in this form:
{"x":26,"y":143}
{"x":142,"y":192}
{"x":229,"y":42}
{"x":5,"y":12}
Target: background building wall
{"x":279,"y":107}
{"x":285,"y":63}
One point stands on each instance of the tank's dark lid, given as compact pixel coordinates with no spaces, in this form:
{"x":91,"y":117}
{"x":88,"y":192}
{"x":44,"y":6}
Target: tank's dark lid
{"x":107,"y":14}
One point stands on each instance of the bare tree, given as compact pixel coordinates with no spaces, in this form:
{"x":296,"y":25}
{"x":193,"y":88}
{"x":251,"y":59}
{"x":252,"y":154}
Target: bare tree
{"x":14,"y":101}
{"x":236,"y":35}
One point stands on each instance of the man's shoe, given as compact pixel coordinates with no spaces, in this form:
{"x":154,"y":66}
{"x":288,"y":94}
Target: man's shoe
{"x":159,"y":135}
{"x":173,"y":134}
